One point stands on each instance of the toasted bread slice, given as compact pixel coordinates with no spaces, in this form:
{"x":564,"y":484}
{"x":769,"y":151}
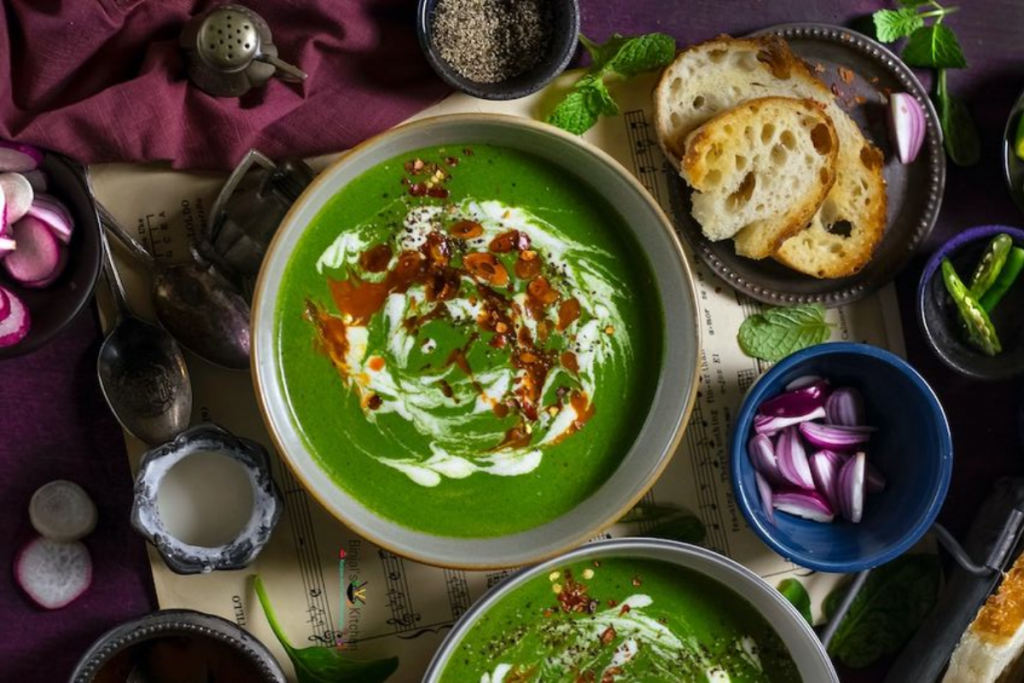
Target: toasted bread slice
{"x":715,"y":76}
{"x":761,"y":170}
{"x":994,"y":641}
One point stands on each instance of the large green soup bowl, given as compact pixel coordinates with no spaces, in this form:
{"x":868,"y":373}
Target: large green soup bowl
{"x":475,"y":341}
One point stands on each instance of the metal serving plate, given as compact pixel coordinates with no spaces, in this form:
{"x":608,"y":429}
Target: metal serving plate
{"x":914,"y":190}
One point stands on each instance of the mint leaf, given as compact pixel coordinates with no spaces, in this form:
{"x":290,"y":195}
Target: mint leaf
{"x":934,"y":47}
{"x":795,"y":592}
{"x":913,"y":3}
{"x":892,"y":605}
{"x":778,"y":332}
{"x":643,"y":53}
{"x":602,"y":53}
{"x":574,"y":113}
{"x":598,"y":98}
{"x":892,"y":24}
{"x":959,"y":131}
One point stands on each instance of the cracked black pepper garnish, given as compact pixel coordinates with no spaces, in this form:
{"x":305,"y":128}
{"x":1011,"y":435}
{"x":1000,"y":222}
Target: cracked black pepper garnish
{"x":489,"y":41}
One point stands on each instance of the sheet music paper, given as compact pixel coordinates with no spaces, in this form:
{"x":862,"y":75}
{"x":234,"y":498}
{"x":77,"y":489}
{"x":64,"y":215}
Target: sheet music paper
{"x":409,"y":607}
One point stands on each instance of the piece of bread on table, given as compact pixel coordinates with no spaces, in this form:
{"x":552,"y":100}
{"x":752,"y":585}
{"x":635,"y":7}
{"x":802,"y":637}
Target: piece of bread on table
{"x":761,"y":170}
{"x":990,"y":649}
{"x":718,"y":75}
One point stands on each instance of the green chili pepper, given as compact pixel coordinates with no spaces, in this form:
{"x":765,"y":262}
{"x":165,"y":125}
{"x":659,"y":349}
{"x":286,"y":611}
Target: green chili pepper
{"x":990,"y":265}
{"x":980,"y":332}
{"x":1018,"y":143}
{"x":1008,"y":275}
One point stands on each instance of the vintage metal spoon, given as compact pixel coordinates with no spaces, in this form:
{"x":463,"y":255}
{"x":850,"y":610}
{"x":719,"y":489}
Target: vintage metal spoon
{"x":202,"y":310}
{"x":142,"y":371}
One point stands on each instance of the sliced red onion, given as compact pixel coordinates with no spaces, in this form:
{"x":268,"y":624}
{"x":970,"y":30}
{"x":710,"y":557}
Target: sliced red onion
{"x":765,"y":489}
{"x":766,"y":424}
{"x":806,"y":504}
{"x":19,"y":158}
{"x":792,"y":459}
{"x":763,"y":458}
{"x":851,"y":488}
{"x":845,"y":407}
{"x":803,"y":381}
{"x":797,"y":402}
{"x":874,"y":481}
{"x":906,"y":125}
{"x":825,"y":466}
{"x":834,"y":437}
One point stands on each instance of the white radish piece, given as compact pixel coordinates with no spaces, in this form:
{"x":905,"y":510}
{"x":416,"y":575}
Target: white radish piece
{"x":18,"y":193}
{"x":38,"y":254}
{"x":15,"y":326}
{"x":53,"y":574}
{"x":19,"y":158}
{"x":62,"y":511}
{"x":38,"y":179}
{"x":62,"y":262}
{"x":56,"y":216}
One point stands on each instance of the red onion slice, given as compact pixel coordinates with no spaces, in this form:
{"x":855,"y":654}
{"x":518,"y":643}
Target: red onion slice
{"x":792,"y":459}
{"x":763,"y":458}
{"x":803,"y":381}
{"x":806,"y":504}
{"x":851,"y":488}
{"x":845,"y":407}
{"x":874,"y":480}
{"x":765,"y":489}
{"x":766,"y":424}
{"x":906,"y":125}
{"x":825,"y":466}
{"x":796,"y":403}
{"x":835,"y":437}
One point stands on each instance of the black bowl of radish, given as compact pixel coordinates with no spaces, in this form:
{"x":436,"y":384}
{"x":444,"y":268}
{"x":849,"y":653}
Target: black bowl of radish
{"x":49,"y":246}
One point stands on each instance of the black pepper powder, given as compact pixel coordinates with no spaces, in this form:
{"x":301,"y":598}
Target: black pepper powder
{"x":489,"y":41}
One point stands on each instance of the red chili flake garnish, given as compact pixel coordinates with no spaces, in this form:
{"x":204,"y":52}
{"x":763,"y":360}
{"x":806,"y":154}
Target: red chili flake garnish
{"x":466,"y":230}
{"x":528,"y":265}
{"x":375,"y":259}
{"x":483,"y":267}
{"x":613,"y":603}
{"x":467,"y":152}
{"x":418,"y":189}
{"x":568,"y":312}
{"x":438,"y":192}
{"x":568,"y":360}
{"x":625,"y":609}
{"x":541,"y":290}
{"x":505,"y":242}
{"x":846,"y":75}
{"x":608,"y":636}
{"x":610,"y":673}
{"x":376,"y":363}
{"x":597,"y":563}
{"x":451,"y":161}
{"x":374,"y":402}
{"x":586,"y":677}
{"x":548,"y":612}
{"x":574,"y":597}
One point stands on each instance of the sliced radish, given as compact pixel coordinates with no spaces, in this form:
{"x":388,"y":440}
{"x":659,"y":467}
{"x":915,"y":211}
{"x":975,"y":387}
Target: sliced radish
{"x":62,"y":511}
{"x":18,"y":193}
{"x":38,"y":254}
{"x":19,"y":158}
{"x":56,"y":216}
{"x":15,"y":326}
{"x":38,"y":179}
{"x":53,"y":574}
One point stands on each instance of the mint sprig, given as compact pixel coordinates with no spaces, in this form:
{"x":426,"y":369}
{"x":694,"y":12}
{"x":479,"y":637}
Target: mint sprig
{"x":620,"y":56}
{"x":778,"y":332}
{"x":934,"y":46}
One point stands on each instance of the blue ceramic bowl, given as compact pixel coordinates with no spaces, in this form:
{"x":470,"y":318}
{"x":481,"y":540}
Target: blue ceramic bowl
{"x":564,"y":27}
{"x":940,"y":321}
{"x":912,"y":448}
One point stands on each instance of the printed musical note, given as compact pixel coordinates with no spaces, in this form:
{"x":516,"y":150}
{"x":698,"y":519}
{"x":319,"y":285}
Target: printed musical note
{"x":403,"y":616}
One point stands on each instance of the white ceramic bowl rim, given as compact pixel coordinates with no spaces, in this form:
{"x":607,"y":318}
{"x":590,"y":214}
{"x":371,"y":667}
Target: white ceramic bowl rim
{"x":674,"y":394}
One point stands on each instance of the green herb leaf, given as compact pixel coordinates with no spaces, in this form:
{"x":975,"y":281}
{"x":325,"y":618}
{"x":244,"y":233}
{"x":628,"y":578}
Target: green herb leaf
{"x":643,"y":53}
{"x":893,"y":24}
{"x":890,"y":607}
{"x":914,"y":3}
{"x":574,"y":113}
{"x":325,"y":664}
{"x":934,"y":47}
{"x":598,"y":98}
{"x":959,"y":131}
{"x":778,"y":332}
{"x":795,"y":592}
{"x":670,"y":521}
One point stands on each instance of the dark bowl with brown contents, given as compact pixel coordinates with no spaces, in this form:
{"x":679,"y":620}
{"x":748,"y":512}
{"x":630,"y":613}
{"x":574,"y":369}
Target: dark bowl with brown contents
{"x":498,"y":49}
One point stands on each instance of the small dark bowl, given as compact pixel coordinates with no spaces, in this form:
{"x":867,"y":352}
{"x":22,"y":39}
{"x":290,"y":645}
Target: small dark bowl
{"x":565,"y":27}
{"x":939,"y":319}
{"x":51,"y":309}
{"x":1013,"y":166}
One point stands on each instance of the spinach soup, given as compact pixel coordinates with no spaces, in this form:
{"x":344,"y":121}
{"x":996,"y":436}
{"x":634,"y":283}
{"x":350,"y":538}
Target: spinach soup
{"x":617,"y":620}
{"x":469,"y":340}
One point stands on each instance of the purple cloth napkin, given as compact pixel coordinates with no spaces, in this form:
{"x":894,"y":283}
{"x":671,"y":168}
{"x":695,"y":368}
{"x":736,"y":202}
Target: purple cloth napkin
{"x":54,"y":424}
{"x":103,"y":80}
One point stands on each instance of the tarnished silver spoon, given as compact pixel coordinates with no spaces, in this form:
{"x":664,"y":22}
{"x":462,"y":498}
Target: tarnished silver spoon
{"x":142,"y":371}
{"x":198,"y":306}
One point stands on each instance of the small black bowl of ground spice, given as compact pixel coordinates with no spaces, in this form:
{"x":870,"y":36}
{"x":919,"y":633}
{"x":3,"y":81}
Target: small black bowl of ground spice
{"x":498,"y":49}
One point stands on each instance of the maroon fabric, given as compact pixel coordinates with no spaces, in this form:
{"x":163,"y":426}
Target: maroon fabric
{"x":103,"y":80}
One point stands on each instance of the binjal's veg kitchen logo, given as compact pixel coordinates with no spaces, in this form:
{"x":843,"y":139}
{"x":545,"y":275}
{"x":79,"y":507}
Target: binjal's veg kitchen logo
{"x":352,"y":597}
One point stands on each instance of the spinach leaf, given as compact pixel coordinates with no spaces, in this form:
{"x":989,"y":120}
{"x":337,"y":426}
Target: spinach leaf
{"x":890,"y":607}
{"x":778,"y":332}
{"x":325,"y":664}
{"x":795,"y":592}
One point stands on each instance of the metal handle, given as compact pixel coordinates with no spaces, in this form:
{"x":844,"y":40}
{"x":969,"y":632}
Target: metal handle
{"x":285,"y":71}
{"x":251,"y":157}
{"x":110,"y":223}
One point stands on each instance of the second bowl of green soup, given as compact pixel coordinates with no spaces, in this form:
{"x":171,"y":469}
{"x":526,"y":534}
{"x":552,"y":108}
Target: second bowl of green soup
{"x":475,"y":340}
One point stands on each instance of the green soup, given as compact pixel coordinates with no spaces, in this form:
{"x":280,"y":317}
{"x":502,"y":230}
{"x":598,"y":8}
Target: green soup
{"x":621,"y":620}
{"x":469,"y":340}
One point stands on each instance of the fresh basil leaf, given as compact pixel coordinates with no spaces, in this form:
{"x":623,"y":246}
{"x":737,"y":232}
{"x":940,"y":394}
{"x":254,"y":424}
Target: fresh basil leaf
{"x":778,"y":332}
{"x":643,"y":53}
{"x":934,"y":47}
{"x":959,"y":131}
{"x":795,"y":592}
{"x":325,"y":664}
{"x":893,"y":24}
{"x":891,"y":606}
{"x":574,"y":113}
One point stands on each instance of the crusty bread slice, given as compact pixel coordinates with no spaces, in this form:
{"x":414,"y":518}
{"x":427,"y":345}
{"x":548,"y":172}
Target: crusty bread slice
{"x":995,"y":639}
{"x":715,"y":76}
{"x":761,"y":169}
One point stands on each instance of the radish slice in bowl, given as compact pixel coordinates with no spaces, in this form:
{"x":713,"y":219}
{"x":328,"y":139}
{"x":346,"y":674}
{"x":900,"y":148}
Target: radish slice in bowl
{"x":37,"y":256}
{"x":53,"y":574}
{"x":18,"y":193}
{"x":15,"y":325}
{"x":19,"y":158}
